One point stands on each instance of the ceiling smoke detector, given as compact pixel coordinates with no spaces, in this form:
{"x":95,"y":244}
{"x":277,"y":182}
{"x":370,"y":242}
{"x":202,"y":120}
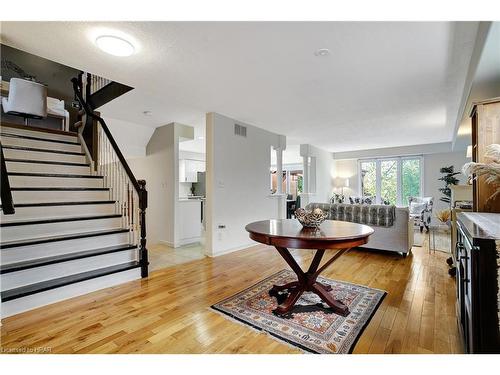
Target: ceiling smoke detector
{"x":115,"y":45}
{"x":322,"y":52}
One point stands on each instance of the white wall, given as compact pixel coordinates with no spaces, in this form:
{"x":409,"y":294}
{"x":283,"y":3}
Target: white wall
{"x":346,"y":169}
{"x":160,"y":168}
{"x":131,"y":138}
{"x":324,"y":173}
{"x":237,"y":182}
{"x":432,"y":164}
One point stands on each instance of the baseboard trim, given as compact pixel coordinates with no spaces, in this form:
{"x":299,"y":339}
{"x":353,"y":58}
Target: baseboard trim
{"x":232,"y":250}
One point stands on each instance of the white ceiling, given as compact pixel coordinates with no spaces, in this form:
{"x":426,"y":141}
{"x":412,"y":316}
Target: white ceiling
{"x":383,"y":85}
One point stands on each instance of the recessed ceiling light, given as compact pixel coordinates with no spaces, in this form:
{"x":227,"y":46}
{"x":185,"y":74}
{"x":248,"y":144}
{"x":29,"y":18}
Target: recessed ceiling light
{"x":322,"y":52}
{"x":114,"y":45}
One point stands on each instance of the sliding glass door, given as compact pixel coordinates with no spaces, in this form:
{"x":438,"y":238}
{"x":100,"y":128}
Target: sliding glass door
{"x":391,"y":180}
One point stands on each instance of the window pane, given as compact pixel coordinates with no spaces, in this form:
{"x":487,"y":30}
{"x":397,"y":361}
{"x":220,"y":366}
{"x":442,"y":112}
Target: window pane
{"x":389,"y":181}
{"x":368,"y":179}
{"x":410,"y":179}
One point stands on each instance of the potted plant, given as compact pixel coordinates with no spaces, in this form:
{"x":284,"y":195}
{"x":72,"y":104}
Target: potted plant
{"x":491,"y":170}
{"x":449,"y":179}
{"x":444,"y":216}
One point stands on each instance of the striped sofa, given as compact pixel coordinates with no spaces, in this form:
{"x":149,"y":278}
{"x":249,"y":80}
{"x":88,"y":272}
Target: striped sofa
{"x":393,"y":227}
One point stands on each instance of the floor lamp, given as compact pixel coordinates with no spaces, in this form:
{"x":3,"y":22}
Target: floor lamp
{"x":346,"y":185}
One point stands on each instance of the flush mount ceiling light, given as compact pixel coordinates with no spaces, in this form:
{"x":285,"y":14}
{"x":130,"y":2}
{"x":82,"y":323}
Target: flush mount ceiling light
{"x":114,"y":45}
{"x":322,"y":52}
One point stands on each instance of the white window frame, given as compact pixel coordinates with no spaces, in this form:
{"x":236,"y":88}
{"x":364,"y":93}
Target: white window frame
{"x":378,"y":180}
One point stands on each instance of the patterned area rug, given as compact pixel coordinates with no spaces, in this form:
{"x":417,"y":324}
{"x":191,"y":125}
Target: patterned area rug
{"x":311,"y":325}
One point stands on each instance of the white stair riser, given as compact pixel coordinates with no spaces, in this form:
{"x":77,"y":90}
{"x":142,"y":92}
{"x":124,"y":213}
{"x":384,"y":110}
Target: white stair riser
{"x":31,"y":181}
{"x":46,"y":168}
{"x":59,"y":196}
{"x":23,"y":253}
{"x":53,"y":271}
{"x":25,"y":232}
{"x":38,"y":134}
{"x":54,"y":295}
{"x":37,"y":155}
{"x":43,"y":212}
{"x":35,"y":143}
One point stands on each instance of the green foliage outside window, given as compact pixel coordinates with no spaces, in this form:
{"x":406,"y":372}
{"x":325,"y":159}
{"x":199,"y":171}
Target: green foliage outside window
{"x":368,"y":179}
{"x":389,"y":181}
{"x":300,"y":183}
{"x":410,"y":179}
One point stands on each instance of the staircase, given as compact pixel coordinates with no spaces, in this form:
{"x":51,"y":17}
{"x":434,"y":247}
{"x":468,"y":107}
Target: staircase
{"x":75,"y":229}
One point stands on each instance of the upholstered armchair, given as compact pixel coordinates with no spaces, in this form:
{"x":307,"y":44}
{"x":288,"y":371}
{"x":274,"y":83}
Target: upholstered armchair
{"x":421,"y":211}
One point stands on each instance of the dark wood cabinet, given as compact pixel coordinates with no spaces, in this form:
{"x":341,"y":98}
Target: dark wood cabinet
{"x":477,"y":259}
{"x":485,"y":122}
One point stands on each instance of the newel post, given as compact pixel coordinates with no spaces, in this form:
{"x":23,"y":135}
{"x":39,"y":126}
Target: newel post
{"x":143,"y":204}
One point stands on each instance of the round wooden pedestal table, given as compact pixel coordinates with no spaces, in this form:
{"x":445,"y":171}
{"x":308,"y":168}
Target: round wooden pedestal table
{"x":289,"y":233}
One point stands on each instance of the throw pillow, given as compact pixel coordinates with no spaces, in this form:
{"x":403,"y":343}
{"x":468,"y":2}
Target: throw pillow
{"x":337,"y":198}
{"x":416,"y":208}
{"x":367,"y":200}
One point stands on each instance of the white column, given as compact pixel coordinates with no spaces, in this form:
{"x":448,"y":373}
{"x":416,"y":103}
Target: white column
{"x":287,"y":182}
{"x":304,"y":197}
{"x":279,"y":184}
{"x":279,"y":170}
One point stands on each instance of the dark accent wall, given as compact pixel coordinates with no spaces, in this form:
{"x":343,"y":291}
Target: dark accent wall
{"x":56,"y":76}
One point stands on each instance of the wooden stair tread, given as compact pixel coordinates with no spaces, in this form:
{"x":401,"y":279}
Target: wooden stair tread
{"x":74,"y":203}
{"x":59,"y":220}
{"x":34,"y":149}
{"x":45,"y":261}
{"x":32,"y":161}
{"x":65,"y":237}
{"x":63,"y":188}
{"x":43,"y":286}
{"x":38,"y":129}
{"x":55,"y":175}
{"x":12,"y":135}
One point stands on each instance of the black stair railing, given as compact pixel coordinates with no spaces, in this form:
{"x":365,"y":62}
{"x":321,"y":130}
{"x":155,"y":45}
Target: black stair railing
{"x":5,"y":192}
{"x":130,"y":194}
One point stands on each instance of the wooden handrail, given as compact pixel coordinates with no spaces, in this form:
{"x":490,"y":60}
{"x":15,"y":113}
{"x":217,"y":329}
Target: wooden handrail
{"x":139,"y":186}
{"x":5,"y":192}
{"x":90,"y":112}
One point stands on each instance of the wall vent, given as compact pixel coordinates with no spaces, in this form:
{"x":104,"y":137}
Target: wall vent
{"x":240,"y":130}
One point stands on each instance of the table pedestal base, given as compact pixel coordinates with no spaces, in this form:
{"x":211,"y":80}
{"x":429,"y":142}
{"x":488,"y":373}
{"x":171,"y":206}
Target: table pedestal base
{"x":307,"y":283}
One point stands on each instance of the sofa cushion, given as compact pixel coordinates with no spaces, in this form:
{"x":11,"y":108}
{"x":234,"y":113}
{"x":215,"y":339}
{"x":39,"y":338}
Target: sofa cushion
{"x":377,"y":215}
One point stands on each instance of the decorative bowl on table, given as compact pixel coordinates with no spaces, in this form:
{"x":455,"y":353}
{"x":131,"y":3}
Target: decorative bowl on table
{"x":310,"y":219}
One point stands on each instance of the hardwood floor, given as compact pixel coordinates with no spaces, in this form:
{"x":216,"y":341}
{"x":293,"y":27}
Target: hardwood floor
{"x":169,"y":312}
{"x":163,"y":256}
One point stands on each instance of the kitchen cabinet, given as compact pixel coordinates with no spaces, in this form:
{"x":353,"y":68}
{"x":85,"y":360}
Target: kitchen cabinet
{"x":189,"y":168}
{"x":190,"y":219}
